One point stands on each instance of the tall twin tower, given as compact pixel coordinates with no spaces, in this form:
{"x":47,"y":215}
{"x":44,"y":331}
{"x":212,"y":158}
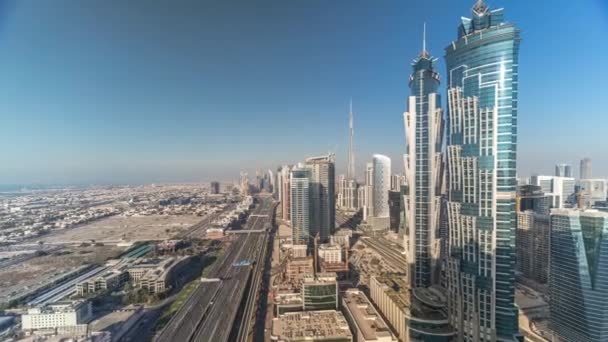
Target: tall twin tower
{"x":469,"y":182}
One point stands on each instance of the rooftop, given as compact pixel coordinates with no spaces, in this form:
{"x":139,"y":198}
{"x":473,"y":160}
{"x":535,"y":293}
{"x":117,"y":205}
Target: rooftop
{"x":310,"y":325}
{"x":365,"y":316}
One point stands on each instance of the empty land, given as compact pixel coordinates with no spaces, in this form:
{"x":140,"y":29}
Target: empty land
{"x":131,"y":229}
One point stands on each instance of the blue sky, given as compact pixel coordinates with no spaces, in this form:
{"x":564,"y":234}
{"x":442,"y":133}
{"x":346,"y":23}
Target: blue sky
{"x":150,"y":91}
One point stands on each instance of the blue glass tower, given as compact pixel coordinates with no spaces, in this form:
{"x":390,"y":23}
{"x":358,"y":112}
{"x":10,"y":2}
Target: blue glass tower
{"x":579,"y":275}
{"x":482,"y":82}
{"x":423,"y":171}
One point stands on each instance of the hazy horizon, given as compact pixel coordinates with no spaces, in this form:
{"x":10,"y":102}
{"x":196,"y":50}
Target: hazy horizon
{"x":138,"y":92}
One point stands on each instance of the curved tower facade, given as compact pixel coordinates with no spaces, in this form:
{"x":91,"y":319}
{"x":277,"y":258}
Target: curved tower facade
{"x":423,"y":171}
{"x":381,"y":184}
{"x":482,"y":88}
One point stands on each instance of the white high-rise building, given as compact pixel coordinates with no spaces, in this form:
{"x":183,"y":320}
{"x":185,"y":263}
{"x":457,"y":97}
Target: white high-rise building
{"x":366,"y":201}
{"x":300,"y":189}
{"x":382,"y":183}
{"x":561,"y":189}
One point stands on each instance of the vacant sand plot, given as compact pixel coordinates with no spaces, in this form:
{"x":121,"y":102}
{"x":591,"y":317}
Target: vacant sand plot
{"x":134,"y":228}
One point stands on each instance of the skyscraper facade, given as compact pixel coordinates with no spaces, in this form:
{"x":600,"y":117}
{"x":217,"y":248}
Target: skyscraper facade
{"x":533,"y":233}
{"x":482,"y":87}
{"x":300,"y":191}
{"x":586,"y":169}
{"x":563,"y":170}
{"x":423,"y":171}
{"x":323,"y":195}
{"x":366,"y":200}
{"x":381,"y":185}
{"x":578,"y":281}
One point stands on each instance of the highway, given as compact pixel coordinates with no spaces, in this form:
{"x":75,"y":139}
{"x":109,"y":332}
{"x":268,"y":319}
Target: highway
{"x":210,"y":312}
{"x":198,"y":230}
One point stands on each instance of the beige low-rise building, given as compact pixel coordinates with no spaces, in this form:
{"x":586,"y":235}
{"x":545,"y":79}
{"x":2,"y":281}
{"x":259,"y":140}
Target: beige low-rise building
{"x":365,"y":322}
{"x":416,"y":314}
{"x":311,"y":326}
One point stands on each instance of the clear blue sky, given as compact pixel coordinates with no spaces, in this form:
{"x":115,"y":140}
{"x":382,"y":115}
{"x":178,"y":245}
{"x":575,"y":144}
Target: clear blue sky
{"x":143,"y":91}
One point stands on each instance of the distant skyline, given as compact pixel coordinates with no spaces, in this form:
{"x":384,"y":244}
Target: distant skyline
{"x":160,"y":91}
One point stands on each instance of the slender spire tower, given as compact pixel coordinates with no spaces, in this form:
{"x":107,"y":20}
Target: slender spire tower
{"x":350,"y":171}
{"x":423,"y":170}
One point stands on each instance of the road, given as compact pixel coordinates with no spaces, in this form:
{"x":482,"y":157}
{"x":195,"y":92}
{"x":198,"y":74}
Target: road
{"x":198,"y":230}
{"x":210,"y":311}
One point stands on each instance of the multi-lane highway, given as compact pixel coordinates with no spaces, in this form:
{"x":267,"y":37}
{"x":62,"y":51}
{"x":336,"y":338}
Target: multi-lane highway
{"x":198,"y":230}
{"x":210,"y":313}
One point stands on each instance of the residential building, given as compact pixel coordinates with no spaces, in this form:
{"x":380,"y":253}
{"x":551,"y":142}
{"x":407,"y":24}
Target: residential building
{"x":592,"y":191}
{"x":531,"y":197}
{"x":423,"y":170}
{"x":482,"y":89}
{"x":585,"y":172}
{"x":562,"y":190}
{"x":578,"y":282}
{"x":322,"y":196}
{"x":348,"y":194}
{"x":381,"y":186}
{"x":563,"y":170}
{"x":215,"y":188}
{"x":297,"y":267}
{"x":300,"y":192}
{"x":394,"y":208}
{"x":330,"y":253}
{"x":320,"y":291}
{"x":533,"y":239}
{"x":365,"y":322}
{"x":286,"y":192}
{"x":311,"y":326}
{"x":366,"y":193}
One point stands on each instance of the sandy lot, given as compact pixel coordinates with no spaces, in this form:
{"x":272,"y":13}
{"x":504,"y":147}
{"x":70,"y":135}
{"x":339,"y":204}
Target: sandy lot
{"x":134,"y":228}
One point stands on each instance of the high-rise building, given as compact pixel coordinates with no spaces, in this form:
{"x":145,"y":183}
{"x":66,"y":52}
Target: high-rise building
{"x":423,"y":170}
{"x":563,"y":170}
{"x":592,"y":191}
{"x":323,"y":195}
{"x":381,"y":186}
{"x":531,"y":197}
{"x":300,"y":191}
{"x":380,"y":189}
{"x":586,"y":169}
{"x":366,"y":197}
{"x":286,"y":192}
{"x":533,"y":233}
{"x":348,"y":194}
{"x":561,"y":190}
{"x":482,"y":90}
{"x":348,"y":187}
{"x":578,"y":282}
{"x":215,"y":188}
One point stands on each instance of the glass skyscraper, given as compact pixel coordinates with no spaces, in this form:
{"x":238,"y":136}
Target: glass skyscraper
{"x":423,"y":171}
{"x":578,"y":277}
{"x":300,"y":205}
{"x":482,"y":83}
